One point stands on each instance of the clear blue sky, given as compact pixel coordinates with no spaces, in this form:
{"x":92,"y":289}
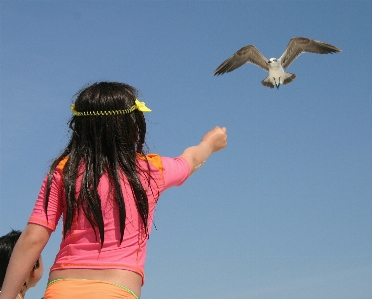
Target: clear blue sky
{"x":285,"y":211}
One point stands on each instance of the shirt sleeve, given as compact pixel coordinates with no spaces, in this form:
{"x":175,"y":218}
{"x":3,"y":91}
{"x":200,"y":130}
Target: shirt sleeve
{"x":175,"y":171}
{"x":50,"y":219}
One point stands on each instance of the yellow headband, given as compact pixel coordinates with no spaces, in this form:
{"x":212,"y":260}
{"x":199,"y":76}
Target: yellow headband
{"x":137,"y":105}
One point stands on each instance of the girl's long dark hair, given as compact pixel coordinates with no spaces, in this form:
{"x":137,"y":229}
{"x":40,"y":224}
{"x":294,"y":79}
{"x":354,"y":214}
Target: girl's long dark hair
{"x":103,"y":144}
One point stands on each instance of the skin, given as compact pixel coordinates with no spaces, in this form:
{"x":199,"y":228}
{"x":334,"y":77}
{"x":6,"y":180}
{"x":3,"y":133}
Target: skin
{"x":25,"y":253}
{"x":212,"y":142}
{"x":34,"y":237}
{"x":33,"y":278}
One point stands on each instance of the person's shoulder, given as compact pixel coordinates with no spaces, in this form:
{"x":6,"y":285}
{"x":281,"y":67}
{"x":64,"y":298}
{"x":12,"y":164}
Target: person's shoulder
{"x":62,"y":164}
{"x":154,"y":159}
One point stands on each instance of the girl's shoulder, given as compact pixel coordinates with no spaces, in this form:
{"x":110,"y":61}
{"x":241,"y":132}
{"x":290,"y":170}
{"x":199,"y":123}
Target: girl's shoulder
{"x":61,"y":164}
{"x":153,"y":159}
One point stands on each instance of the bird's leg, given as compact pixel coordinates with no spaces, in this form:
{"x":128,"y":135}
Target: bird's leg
{"x":277,"y":85}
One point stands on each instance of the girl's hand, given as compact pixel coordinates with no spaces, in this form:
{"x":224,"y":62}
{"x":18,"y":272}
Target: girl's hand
{"x":216,"y":139}
{"x":213,"y":141}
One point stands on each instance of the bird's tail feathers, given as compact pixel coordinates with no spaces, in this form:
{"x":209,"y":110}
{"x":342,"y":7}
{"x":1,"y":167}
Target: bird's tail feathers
{"x":287,"y":78}
{"x":267,"y":82}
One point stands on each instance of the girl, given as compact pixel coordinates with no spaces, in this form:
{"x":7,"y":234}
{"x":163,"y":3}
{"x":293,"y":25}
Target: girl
{"x":7,"y":244}
{"x":106,"y":188}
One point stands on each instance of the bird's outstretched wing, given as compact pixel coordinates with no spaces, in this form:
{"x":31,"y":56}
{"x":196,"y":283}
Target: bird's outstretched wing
{"x":246,"y":54}
{"x":299,"y":45}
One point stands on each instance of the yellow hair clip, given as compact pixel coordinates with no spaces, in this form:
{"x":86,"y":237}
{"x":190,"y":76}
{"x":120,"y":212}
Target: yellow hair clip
{"x":140,"y":106}
{"x":74,"y":112}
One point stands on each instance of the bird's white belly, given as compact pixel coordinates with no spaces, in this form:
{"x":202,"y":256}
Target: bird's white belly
{"x":275,"y":73}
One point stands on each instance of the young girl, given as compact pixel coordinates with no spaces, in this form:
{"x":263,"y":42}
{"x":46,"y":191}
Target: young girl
{"x":7,"y":244}
{"x":106,"y":188}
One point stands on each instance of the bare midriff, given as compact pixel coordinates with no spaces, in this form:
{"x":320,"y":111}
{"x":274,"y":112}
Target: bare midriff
{"x":128,"y":279}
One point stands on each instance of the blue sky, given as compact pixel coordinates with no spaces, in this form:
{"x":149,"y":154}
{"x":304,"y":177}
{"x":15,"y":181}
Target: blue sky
{"x":285,"y":210}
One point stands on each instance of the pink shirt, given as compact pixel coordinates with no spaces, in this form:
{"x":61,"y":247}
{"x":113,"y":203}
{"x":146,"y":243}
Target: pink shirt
{"x":81,"y":248}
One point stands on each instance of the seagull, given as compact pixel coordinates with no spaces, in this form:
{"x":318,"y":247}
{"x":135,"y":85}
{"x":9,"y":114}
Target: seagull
{"x":275,"y":66}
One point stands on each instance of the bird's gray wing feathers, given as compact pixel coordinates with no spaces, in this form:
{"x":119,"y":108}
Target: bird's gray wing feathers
{"x":299,"y":45}
{"x":246,"y":54}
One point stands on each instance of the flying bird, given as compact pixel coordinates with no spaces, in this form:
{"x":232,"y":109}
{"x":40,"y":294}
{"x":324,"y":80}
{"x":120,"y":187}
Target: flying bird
{"x":275,"y":66}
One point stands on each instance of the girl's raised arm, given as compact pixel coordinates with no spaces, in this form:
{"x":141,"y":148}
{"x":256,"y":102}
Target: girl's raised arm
{"x":213,"y":141}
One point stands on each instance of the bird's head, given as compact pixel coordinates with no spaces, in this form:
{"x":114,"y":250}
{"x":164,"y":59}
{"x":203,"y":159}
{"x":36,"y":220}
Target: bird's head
{"x":273,"y":60}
